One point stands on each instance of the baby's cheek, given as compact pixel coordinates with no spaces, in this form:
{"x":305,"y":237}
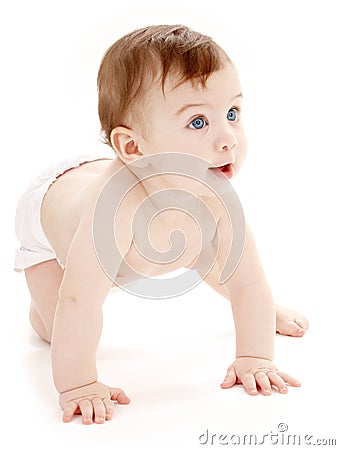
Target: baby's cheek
{"x":241,"y":154}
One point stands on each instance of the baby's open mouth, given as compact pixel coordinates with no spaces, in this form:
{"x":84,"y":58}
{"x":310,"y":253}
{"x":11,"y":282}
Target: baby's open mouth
{"x":227,"y":169}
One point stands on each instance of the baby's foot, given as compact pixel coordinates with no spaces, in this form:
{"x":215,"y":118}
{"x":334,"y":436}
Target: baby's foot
{"x":290,"y":322}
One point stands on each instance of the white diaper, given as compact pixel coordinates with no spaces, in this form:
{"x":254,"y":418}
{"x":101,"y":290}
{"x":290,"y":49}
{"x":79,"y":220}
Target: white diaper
{"x":34,"y":245}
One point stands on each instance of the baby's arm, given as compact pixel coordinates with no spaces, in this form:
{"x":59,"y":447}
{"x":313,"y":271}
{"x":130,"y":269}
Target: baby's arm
{"x":254,"y":318}
{"x":77,"y":330}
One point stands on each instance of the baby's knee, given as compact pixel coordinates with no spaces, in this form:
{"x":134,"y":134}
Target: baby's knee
{"x":38,"y":325}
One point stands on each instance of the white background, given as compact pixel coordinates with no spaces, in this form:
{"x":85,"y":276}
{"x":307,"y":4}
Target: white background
{"x":170,"y":356}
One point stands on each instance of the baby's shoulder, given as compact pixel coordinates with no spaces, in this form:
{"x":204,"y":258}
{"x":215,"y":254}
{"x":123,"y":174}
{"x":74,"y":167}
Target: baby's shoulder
{"x":113,"y":200}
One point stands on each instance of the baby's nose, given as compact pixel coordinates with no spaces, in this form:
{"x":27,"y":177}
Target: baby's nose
{"x":226,"y":139}
{"x":227,"y":147}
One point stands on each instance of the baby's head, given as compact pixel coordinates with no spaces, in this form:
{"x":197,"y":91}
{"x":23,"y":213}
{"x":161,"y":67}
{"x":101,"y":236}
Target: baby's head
{"x":145,"y":76}
{"x":133,"y":64}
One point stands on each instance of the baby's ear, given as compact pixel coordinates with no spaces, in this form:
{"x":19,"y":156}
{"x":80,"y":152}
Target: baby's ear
{"x":124,"y":141}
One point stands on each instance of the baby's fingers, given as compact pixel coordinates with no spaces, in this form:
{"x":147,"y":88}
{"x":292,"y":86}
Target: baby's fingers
{"x":119,"y":395}
{"x":290,"y":380}
{"x":264,"y":383}
{"x":230,"y":378}
{"x":99,"y":410}
{"x":249,"y":383}
{"x":69,"y":411}
{"x":109,"y":405}
{"x":86,"y":409}
{"x":277,"y":381}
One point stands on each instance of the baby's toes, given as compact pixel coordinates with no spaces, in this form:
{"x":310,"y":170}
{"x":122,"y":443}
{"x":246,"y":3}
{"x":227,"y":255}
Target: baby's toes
{"x":291,"y":328}
{"x":302,"y":323}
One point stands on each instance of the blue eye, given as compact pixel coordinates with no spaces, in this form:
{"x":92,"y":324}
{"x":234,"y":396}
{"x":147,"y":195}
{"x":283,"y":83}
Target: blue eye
{"x":232,"y":114}
{"x":198,"y":123}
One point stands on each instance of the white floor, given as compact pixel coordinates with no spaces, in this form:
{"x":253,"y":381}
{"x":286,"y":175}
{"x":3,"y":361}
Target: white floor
{"x":169,"y":356}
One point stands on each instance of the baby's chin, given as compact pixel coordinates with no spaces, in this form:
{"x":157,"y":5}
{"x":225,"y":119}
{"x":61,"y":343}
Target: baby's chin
{"x":190,"y":185}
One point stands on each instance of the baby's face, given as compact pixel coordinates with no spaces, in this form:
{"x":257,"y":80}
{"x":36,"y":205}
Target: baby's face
{"x":203,"y":122}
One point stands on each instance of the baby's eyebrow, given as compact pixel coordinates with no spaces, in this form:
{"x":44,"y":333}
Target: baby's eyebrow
{"x":190,"y":105}
{"x":238,"y":95}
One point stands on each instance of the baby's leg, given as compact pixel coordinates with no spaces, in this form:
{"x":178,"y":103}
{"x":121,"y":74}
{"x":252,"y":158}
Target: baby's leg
{"x":43,"y":282}
{"x":288,"y":321}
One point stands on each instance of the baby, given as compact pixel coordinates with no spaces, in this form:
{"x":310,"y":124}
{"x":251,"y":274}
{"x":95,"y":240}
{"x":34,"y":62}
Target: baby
{"x":163,"y":90}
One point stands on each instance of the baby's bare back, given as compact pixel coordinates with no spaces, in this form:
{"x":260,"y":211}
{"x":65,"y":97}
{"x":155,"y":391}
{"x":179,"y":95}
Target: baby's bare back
{"x":73,"y":196}
{"x":69,"y":199}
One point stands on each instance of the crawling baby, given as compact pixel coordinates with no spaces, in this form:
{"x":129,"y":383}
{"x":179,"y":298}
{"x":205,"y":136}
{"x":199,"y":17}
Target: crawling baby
{"x":163,"y":90}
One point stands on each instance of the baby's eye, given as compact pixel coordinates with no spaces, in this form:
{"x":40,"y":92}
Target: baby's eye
{"x":197,"y":123}
{"x":232,"y":114}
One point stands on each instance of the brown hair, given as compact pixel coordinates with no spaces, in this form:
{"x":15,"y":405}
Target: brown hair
{"x":147,"y":55}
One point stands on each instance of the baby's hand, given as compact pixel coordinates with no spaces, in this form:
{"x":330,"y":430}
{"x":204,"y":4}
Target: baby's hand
{"x":94,"y":400}
{"x":253,"y":372}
